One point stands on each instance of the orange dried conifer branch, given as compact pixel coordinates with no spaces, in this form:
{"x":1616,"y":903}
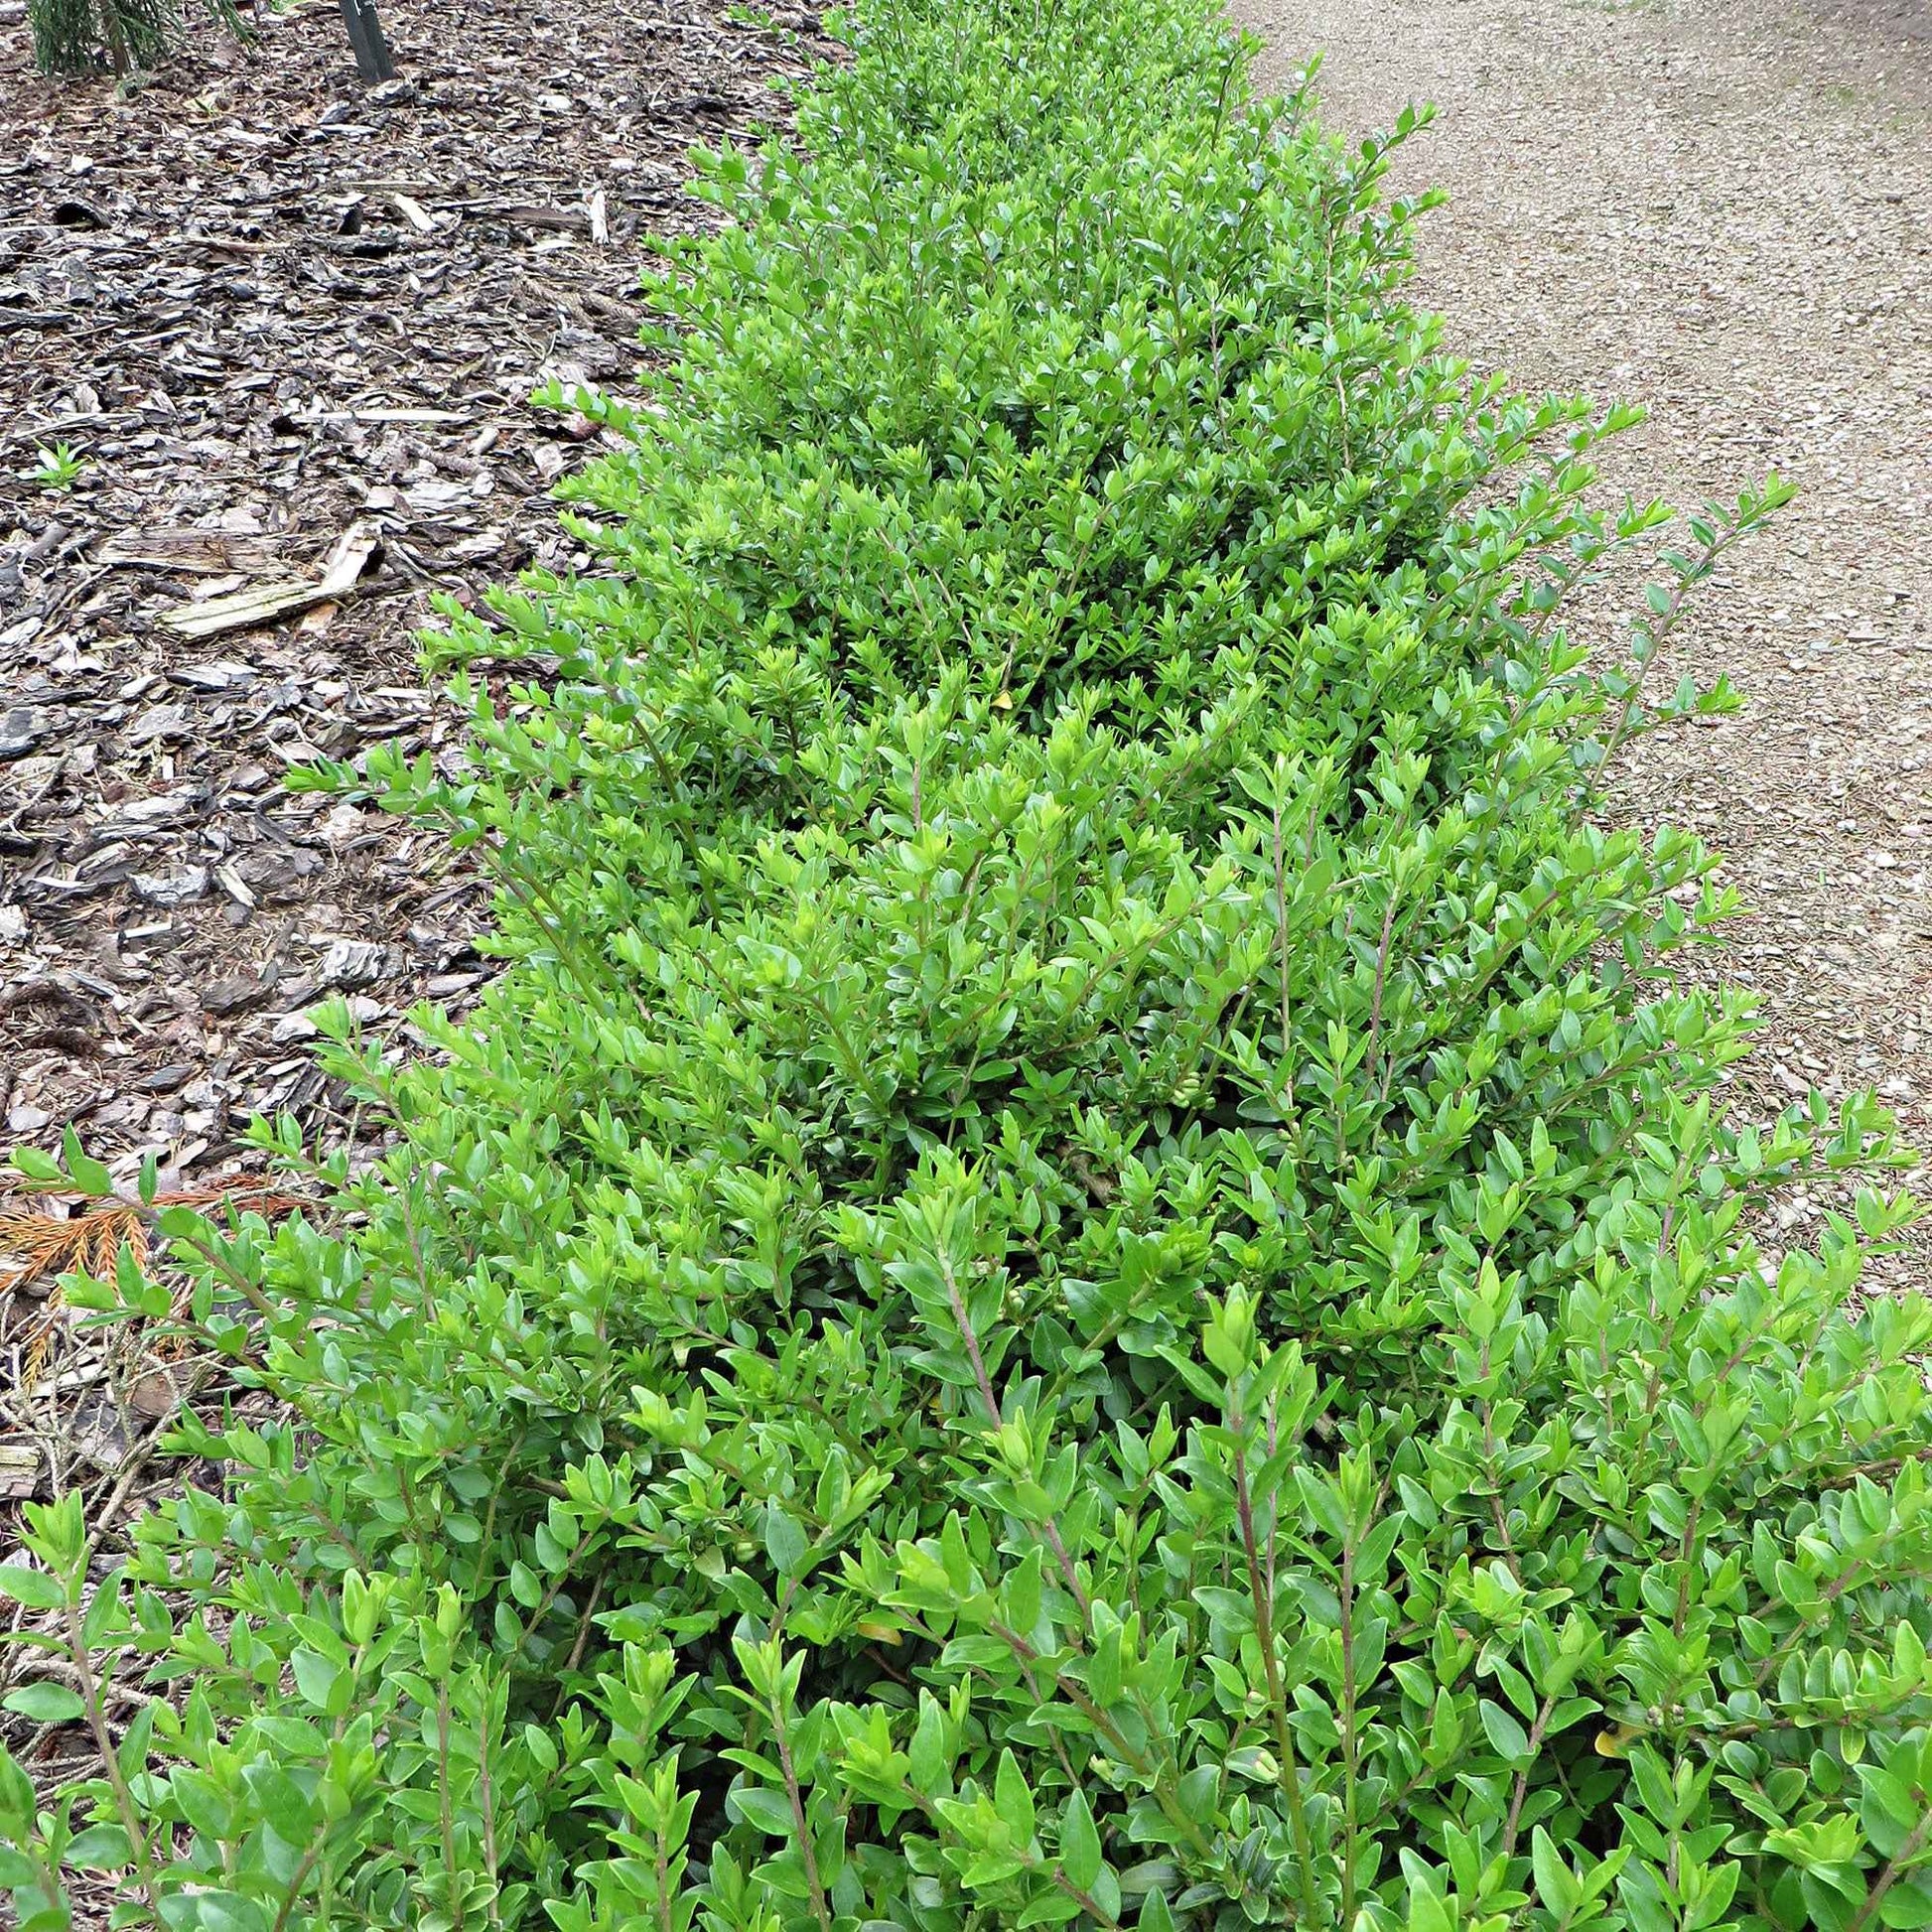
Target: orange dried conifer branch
{"x":48,"y":1246}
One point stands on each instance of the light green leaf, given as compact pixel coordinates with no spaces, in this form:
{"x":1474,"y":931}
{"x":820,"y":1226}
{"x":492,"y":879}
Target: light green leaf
{"x":35,"y":1588}
{"x":769,"y":1811}
{"x":1508,"y":1737}
{"x":1557,"y":1889}
{"x":1079,"y":1843}
{"x":784,"y":1542}
{"x":1013,"y":1799}
{"x":45,"y":1704}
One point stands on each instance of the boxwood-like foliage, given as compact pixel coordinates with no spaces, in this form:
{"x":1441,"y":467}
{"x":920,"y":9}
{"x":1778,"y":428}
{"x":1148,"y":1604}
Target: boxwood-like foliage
{"x":1086,"y":1269}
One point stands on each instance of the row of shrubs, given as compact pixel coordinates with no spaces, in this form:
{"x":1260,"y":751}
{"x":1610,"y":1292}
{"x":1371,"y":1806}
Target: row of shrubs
{"x":1088,"y":1269}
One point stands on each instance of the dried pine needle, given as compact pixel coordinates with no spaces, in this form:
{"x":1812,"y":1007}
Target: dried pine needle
{"x":48,"y":1247}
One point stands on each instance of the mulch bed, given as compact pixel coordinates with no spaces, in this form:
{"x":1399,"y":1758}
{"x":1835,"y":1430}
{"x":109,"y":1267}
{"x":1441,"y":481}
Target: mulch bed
{"x":285,"y":321}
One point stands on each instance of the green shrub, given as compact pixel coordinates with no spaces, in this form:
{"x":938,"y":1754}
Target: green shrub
{"x":81,"y":36}
{"x":77,"y":36}
{"x":1085,"y":1269}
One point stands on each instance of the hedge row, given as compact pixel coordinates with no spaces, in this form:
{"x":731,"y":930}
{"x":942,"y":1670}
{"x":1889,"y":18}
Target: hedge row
{"x":1084,"y":1270}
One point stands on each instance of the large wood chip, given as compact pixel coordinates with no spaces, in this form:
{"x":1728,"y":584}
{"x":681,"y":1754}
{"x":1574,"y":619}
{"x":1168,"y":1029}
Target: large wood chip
{"x":211,"y":553}
{"x":246,"y":610}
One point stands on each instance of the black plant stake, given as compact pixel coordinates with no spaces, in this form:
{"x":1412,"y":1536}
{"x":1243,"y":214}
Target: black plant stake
{"x":372,"y":60}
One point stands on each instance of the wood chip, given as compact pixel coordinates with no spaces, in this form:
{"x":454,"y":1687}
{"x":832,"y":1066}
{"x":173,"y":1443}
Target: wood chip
{"x":414,"y":212}
{"x":213,"y":553}
{"x":21,"y":1464}
{"x":246,"y":610}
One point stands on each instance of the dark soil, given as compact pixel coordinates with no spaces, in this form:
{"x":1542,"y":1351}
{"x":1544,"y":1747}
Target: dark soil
{"x":1904,"y":23}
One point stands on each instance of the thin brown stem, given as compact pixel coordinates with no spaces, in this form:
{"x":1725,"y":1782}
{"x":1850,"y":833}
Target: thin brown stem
{"x":1914,"y":1844}
{"x":969,"y":1336}
{"x":1375,"y":1004}
{"x":794,"y":1793}
{"x":109,"y":1758}
{"x":1290,"y":1767}
{"x":1522,"y":1786}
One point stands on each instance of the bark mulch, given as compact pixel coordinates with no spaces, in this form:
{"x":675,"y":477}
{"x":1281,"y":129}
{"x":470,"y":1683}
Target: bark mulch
{"x":289,"y":326}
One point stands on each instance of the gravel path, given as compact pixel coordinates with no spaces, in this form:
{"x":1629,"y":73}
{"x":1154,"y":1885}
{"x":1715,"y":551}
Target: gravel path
{"x":1723,"y":210}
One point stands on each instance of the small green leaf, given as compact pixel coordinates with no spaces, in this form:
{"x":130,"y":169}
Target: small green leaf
{"x":1907,"y":1906}
{"x":1154,"y":1915}
{"x":1506,"y":1733}
{"x":1023,"y":1589}
{"x":1048,"y":1908}
{"x":784,"y":1542}
{"x":931,"y":1766}
{"x":45,"y":1704}
{"x":88,"y":1175}
{"x":769,"y":1811}
{"x":315,"y":1675}
{"x":1557,"y":1889}
{"x":34,"y":1587}
{"x":1079,"y":1843}
{"x":1013,"y":1799}
{"x":287,"y":1807}
{"x":100,"y":1848}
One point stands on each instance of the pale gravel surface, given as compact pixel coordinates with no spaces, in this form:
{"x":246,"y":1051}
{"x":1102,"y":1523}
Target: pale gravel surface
{"x":1723,"y":211}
